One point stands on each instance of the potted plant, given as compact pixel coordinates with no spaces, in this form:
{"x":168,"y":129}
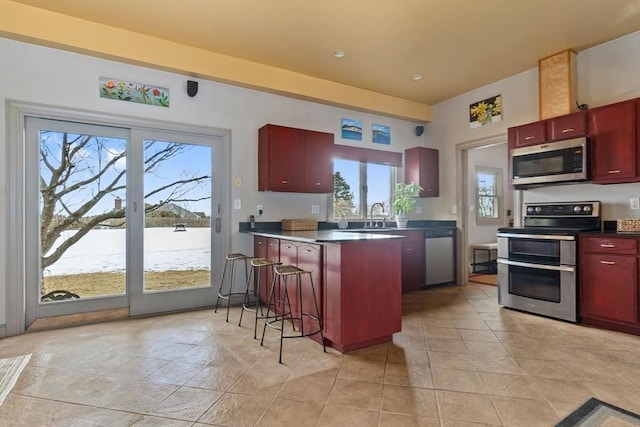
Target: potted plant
{"x":404,"y":201}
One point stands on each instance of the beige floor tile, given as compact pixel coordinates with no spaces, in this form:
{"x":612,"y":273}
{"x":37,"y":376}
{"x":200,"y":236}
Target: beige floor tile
{"x":153,"y":421}
{"x":496,"y":364}
{"x":138,"y":397}
{"x":486,"y":348}
{"x":334,"y":415}
{"x":407,"y":356}
{"x":265,"y":379}
{"x":290,"y":413}
{"x":362,"y":370}
{"x":431,"y":322}
{"x":234,"y":409}
{"x":446,"y":345}
{"x":468,"y":407}
{"x":622,"y":395}
{"x":531,"y":351}
{"x":28,"y":411}
{"x":409,"y":400}
{"x":442,"y":360}
{"x":175,"y":372}
{"x":401,"y":420}
{"x":356,"y":394}
{"x":376,"y":353}
{"x":510,"y":385}
{"x":473,"y":324}
{"x":213,"y":377}
{"x":408,"y":375}
{"x":444,"y":333}
{"x":525,"y":412}
{"x":311,"y":388}
{"x":456,"y":423}
{"x":186,"y":403}
{"x":457,"y":380}
{"x":546,"y":369}
{"x":563,"y":396}
{"x":477,"y":335}
{"x":107,"y":417}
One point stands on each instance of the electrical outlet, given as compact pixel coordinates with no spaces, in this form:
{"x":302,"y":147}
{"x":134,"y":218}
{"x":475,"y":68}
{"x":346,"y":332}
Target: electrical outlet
{"x":634,"y":203}
{"x":237,"y":204}
{"x":454,"y":209}
{"x":259,"y":209}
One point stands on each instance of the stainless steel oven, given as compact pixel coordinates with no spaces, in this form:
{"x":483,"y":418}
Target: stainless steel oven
{"x":537,"y":265}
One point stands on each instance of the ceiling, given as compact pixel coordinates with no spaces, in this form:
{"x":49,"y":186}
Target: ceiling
{"x":456,"y":45}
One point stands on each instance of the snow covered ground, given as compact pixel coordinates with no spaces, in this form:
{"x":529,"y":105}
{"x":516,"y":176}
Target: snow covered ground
{"x":104,"y":251}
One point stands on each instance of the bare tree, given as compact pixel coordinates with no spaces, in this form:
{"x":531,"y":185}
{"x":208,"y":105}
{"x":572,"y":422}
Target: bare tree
{"x":80,"y":173}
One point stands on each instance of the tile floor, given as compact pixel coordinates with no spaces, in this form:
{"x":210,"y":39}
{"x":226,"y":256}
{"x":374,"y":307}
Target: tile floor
{"x":460,"y":360}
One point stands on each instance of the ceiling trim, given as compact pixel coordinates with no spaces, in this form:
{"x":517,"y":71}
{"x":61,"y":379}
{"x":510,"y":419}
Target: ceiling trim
{"x":42,"y":27}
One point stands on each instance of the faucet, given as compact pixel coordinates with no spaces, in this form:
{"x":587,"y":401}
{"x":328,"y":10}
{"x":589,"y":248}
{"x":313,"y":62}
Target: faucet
{"x":371,"y":215}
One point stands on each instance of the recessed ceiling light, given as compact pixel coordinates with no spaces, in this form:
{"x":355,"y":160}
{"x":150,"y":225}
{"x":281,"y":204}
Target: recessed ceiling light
{"x":338,"y":53}
{"x":417,"y":77}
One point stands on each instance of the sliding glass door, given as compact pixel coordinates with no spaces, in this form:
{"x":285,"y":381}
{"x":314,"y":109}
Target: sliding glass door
{"x":118,"y":218}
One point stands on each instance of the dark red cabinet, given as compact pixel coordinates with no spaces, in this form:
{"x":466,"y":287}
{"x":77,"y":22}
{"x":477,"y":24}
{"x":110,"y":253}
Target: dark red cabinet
{"x":613,"y":143}
{"x":413,"y":259}
{"x":529,"y":134}
{"x":421,"y":165}
{"x":609,"y":287}
{"x":569,"y":126}
{"x":294,"y":160}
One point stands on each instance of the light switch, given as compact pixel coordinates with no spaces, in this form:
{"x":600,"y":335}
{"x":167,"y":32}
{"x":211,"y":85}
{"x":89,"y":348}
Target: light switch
{"x":634,"y":203}
{"x":315,"y":209}
{"x":237,"y":204}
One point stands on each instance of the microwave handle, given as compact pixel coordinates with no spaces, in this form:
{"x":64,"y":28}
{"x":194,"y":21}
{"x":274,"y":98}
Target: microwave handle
{"x":568,"y":268}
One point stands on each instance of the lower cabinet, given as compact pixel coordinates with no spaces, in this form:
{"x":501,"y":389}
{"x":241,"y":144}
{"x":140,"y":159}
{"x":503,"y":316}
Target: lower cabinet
{"x":609,"y":288}
{"x":412,"y":260}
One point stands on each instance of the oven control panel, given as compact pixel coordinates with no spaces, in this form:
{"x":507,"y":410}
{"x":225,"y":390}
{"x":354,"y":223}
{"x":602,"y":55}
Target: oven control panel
{"x":568,"y":209}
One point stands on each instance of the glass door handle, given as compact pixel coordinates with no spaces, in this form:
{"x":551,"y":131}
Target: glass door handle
{"x":218,"y":225}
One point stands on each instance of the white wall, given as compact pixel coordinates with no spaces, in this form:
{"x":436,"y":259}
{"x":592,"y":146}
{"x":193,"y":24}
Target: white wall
{"x":606,"y":73}
{"x":41,"y":75}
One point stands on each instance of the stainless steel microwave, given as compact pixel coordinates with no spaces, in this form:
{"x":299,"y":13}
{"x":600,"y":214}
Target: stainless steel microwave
{"x":551,"y":163}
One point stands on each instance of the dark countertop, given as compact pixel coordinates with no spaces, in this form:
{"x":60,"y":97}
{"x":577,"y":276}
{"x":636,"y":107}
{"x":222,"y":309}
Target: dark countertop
{"x":610,"y":228}
{"x":329,"y":233}
{"x":323,"y":236}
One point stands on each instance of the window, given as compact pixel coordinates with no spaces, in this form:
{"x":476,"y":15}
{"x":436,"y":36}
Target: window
{"x":358,"y":185}
{"x":489,"y":193}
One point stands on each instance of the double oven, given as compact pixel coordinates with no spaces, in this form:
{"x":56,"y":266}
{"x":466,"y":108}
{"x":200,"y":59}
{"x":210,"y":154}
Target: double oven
{"x":537,"y":263}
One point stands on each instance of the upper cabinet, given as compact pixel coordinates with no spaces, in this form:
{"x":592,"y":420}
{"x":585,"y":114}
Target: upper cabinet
{"x":613,"y":144}
{"x":558,"y":128}
{"x":570,"y":126}
{"x":294,"y":160}
{"x":421,"y":167}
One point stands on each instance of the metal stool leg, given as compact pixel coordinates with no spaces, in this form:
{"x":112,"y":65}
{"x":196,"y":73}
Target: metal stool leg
{"x":232,"y":259}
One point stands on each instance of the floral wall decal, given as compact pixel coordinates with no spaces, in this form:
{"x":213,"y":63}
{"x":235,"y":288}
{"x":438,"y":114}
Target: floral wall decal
{"x":134,"y":92}
{"x":484,"y":112}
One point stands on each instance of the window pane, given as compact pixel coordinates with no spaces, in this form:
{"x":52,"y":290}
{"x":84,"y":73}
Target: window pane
{"x":379,"y":187}
{"x":82,"y":224}
{"x":486,"y":184}
{"x":346,"y":188}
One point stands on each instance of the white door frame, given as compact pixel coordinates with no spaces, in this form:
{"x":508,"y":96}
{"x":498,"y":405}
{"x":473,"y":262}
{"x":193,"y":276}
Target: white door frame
{"x":14,"y":211}
{"x":462,"y":174}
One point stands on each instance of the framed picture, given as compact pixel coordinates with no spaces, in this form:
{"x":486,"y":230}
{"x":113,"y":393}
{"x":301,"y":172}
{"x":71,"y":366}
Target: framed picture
{"x":134,"y":92}
{"x":351,"y":129}
{"x":381,"y":134}
{"x":486,"y":111}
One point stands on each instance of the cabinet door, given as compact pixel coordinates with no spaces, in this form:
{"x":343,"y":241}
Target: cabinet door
{"x":412,"y":260}
{"x":281,"y":158}
{"x":613,"y":146}
{"x":569,"y":126}
{"x":319,"y":161}
{"x":530,"y":134}
{"x":608,"y":287}
{"x":272,"y":253}
{"x":421,"y":165}
{"x":310,"y":259}
{"x":288,"y":256}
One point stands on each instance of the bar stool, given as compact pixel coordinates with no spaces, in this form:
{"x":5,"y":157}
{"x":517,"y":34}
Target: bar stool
{"x":283,"y":272}
{"x":257,"y":265}
{"x":232,"y":259}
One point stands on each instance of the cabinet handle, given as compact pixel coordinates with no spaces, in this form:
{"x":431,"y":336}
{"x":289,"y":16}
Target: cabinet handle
{"x":568,"y":130}
{"x":607,"y":245}
{"x":261,"y":243}
{"x":608,"y":262}
{"x":284,"y":181}
{"x":529,"y":137}
{"x":317,"y":183}
{"x":615,"y":171}
{"x":409,"y":249}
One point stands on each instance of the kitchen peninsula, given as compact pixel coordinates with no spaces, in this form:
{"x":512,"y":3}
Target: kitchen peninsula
{"x":357,"y":277}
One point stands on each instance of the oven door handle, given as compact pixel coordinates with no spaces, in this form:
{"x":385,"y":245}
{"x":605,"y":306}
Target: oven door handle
{"x":538,"y":266}
{"x":536,"y":236}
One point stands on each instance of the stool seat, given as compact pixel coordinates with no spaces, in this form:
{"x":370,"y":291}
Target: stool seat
{"x":261,"y":262}
{"x":236,"y":256}
{"x":288,"y":270}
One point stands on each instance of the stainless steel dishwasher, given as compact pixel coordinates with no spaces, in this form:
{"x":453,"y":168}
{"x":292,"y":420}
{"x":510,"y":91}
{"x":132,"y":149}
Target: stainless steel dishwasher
{"x":440,"y":256}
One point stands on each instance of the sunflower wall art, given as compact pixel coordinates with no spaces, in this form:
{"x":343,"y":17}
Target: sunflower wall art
{"x":486,"y":111}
